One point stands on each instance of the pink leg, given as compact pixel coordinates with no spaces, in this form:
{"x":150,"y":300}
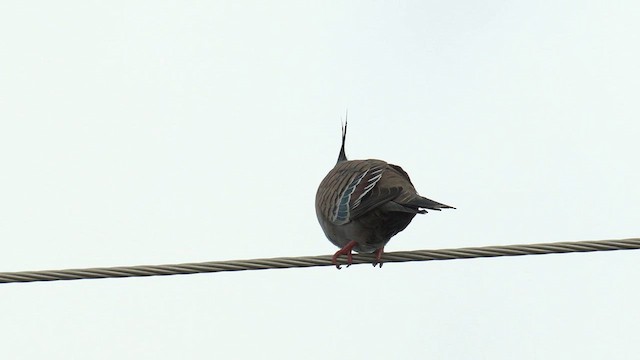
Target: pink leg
{"x":378,"y":259}
{"x":346,"y":250}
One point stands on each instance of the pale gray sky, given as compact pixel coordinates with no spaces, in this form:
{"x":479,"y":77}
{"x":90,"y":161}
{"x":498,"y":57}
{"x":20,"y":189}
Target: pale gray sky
{"x":153,"y":132}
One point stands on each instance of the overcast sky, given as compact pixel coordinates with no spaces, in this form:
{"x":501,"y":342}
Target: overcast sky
{"x":155,"y":132}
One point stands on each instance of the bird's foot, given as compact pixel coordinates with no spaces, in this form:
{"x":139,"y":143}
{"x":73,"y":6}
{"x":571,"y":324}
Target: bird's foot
{"x":378,"y":259}
{"x":346,"y":250}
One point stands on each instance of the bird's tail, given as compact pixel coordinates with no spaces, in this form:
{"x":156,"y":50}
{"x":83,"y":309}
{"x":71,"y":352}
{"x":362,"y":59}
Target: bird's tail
{"x":424,"y":203}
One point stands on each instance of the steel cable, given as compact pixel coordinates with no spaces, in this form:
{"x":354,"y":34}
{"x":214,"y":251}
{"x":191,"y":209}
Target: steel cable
{"x":325,"y":260}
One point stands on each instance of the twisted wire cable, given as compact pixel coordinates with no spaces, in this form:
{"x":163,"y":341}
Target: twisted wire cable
{"x":325,"y":260}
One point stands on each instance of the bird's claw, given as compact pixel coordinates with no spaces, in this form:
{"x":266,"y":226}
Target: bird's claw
{"x":344,"y":251}
{"x":349,"y":259}
{"x":378,"y":259}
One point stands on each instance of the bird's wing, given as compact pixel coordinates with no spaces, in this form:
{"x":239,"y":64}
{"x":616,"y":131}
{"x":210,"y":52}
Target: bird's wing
{"x":363,"y":192}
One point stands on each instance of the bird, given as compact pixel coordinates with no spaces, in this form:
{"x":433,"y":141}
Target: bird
{"x":362,"y":204}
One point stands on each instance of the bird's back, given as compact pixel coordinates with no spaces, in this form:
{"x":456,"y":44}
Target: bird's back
{"x":369,"y":200}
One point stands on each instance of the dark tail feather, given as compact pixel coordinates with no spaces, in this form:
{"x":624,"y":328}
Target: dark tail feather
{"x":423,"y":202}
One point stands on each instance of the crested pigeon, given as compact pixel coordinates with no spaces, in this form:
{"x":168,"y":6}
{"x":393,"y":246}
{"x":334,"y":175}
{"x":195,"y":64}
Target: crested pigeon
{"x":361,"y":204}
